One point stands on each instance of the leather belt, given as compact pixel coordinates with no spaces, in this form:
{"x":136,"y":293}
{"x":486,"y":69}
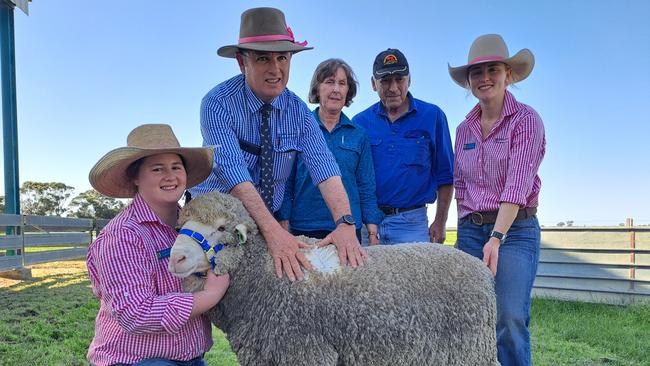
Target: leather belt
{"x":490,"y":217}
{"x":394,"y":211}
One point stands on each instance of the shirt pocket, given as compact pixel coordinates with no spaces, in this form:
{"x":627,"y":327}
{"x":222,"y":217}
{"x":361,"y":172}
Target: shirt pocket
{"x":417,"y":149}
{"x":347,"y":156}
{"x":284,"y":154}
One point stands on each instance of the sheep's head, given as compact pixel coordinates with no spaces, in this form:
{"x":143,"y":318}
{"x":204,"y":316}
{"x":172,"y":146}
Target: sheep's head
{"x":219,"y":219}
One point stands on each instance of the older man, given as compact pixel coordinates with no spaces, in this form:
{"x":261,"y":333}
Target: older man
{"x":257,"y":127}
{"x":412,"y":153}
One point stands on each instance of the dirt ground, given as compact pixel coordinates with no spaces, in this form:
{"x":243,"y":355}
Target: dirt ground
{"x":46,"y":270}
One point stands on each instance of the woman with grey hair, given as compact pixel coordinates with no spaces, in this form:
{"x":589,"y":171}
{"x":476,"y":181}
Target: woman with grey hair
{"x":304,"y":211}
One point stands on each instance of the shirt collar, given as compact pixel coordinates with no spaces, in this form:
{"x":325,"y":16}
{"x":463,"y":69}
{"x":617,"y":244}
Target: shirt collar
{"x":142,"y":211}
{"x":413,"y":106}
{"x":255,"y":103}
{"x":343,"y":120}
{"x":510,"y":107}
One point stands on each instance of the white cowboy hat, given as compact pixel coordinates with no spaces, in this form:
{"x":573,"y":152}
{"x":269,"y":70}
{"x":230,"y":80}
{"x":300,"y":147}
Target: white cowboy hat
{"x":109,"y":176}
{"x":491,"y":48}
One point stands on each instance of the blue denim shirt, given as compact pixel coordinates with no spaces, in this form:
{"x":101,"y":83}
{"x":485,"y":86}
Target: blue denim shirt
{"x":413,"y":155}
{"x":303,"y":203}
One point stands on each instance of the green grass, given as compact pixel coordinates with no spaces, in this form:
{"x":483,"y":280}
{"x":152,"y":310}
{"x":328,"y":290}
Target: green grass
{"x":572,"y":333}
{"x":451,"y":238}
{"x":50,"y":321}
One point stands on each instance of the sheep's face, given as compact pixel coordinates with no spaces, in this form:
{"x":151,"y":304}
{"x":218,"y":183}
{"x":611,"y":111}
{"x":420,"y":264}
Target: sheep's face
{"x":219,"y":218}
{"x":188,"y":257}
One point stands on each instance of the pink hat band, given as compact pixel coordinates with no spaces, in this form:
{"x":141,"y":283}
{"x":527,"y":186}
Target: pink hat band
{"x":272,"y":37}
{"x":486,"y":58}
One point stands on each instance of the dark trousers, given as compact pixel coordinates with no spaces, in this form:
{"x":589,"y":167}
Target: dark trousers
{"x":319,"y":234}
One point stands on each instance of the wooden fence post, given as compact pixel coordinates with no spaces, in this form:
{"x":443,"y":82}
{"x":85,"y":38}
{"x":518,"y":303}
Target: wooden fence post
{"x":629,"y":222}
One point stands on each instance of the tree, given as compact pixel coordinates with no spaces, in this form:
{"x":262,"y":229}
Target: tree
{"x":560,"y":224}
{"x":569,"y":223}
{"x":44,"y":199}
{"x":92,"y":204}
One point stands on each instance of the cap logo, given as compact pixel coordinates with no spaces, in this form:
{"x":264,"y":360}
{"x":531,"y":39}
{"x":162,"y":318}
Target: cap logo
{"x":390,"y":59}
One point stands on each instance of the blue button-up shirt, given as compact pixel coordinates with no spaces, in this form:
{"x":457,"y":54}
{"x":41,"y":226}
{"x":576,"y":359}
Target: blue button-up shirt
{"x":231,"y":111}
{"x":303,"y":203}
{"x":413,"y":155}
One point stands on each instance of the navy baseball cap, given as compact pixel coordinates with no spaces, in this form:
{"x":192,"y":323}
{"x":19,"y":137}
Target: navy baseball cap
{"x":390,"y":62}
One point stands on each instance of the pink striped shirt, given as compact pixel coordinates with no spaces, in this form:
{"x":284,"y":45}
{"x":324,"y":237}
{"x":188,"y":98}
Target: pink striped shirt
{"x":503,"y":166}
{"x":143,"y":312}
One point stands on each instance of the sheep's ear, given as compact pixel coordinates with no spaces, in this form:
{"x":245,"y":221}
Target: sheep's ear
{"x":241,"y":233}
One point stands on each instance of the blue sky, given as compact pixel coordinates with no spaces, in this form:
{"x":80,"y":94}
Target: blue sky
{"x":88,"y":72}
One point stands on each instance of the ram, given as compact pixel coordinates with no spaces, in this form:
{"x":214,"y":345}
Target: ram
{"x":411,"y":304}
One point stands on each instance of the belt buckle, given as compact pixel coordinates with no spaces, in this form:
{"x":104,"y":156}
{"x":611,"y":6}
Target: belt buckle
{"x":477,"y":218}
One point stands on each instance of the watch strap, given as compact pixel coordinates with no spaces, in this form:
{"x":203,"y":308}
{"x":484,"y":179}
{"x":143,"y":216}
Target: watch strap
{"x":498,"y":235}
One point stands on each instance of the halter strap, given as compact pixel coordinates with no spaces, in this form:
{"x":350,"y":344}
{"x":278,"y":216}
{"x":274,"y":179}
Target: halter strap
{"x":199,"y":239}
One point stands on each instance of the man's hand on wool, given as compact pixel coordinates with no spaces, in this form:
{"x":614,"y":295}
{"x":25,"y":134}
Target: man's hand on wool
{"x":347,"y":245}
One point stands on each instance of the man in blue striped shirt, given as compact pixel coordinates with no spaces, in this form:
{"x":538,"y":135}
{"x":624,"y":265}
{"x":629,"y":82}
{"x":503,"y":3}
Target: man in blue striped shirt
{"x":231,"y":117}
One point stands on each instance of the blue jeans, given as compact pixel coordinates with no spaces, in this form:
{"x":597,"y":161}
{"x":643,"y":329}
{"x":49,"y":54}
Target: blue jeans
{"x":516,"y":270}
{"x":165,"y":362}
{"x":406,"y":227}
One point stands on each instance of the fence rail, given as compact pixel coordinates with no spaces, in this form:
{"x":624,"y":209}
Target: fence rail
{"x":29,"y":231}
{"x":595,"y":264}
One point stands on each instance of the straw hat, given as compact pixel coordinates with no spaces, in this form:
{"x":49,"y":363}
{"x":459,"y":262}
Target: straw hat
{"x":491,"y":48}
{"x":109,"y":176}
{"x":263,"y":29}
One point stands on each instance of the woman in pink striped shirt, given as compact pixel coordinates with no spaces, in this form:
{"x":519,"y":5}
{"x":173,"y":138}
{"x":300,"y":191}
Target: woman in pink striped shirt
{"x":145,"y":318}
{"x":499,"y":147}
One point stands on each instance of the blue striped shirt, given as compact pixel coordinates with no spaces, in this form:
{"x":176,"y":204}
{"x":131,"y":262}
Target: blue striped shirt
{"x":231,"y":111}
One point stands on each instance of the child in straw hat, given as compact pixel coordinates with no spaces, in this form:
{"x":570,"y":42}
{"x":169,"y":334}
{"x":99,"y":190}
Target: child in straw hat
{"x":499,"y":148}
{"x":144,"y":317}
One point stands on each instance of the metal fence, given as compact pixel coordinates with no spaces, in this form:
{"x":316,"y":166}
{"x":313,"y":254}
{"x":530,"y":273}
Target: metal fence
{"x":68,"y":237}
{"x":595,"y":264}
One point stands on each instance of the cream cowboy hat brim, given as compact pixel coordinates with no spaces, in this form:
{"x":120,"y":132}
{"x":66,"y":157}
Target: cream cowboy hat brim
{"x":109,"y":175}
{"x":492,"y":48}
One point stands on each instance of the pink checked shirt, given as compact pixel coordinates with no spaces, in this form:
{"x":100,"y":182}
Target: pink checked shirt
{"x":503,"y":167}
{"x":143,"y":311}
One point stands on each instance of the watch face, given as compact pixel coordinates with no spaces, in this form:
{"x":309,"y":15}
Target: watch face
{"x":346,"y":219}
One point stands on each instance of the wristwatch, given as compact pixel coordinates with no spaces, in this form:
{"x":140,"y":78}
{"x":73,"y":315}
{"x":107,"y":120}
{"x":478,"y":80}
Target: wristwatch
{"x":345,"y":219}
{"x":498,"y":235}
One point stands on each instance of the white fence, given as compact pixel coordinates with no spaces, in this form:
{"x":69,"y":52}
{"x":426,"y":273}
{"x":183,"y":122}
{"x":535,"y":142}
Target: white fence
{"x":26,"y":231}
{"x":594,"y":264}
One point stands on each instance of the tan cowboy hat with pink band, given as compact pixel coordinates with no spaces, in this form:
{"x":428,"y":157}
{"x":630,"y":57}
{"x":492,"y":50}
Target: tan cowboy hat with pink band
{"x":264,"y":29}
{"x":491,"y":48}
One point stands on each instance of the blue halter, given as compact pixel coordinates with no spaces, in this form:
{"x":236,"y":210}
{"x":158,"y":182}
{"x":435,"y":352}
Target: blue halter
{"x":199,"y":239}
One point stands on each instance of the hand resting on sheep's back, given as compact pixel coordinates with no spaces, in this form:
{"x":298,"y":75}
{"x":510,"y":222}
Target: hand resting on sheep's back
{"x":411,"y":304}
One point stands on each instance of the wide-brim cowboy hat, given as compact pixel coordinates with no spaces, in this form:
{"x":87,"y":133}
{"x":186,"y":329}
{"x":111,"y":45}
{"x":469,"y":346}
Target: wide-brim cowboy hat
{"x":263,"y":29}
{"x":491,"y":48}
{"x":109,"y":175}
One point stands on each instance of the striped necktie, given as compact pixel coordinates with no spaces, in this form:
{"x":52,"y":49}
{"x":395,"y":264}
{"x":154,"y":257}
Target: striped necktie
{"x":266,"y":158}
